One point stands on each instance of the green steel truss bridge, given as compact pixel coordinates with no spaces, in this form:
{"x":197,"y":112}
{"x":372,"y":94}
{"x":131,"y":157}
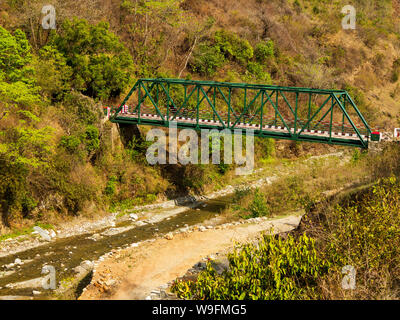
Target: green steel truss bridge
{"x":299,"y":114}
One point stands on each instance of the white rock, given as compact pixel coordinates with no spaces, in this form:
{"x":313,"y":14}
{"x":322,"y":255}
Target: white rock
{"x":110,"y":283}
{"x":18,"y":261}
{"x":35,"y":293}
{"x":43,"y":233}
{"x":133,"y":216}
{"x":169,"y":236}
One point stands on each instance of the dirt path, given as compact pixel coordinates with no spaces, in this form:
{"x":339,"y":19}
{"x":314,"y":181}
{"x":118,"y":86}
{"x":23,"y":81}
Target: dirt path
{"x":134,"y":272}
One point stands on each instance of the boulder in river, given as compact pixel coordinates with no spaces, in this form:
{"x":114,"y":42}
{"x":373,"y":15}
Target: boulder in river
{"x":169,"y":236}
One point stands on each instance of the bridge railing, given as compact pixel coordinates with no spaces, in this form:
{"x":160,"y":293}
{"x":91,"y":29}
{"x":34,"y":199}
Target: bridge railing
{"x":304,"y":114}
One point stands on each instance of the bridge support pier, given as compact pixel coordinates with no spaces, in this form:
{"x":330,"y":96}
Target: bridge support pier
{"x":129,"y":131}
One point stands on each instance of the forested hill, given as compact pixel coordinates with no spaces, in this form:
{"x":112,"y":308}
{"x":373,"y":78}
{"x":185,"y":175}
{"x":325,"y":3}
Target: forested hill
{"x":56,"y":157}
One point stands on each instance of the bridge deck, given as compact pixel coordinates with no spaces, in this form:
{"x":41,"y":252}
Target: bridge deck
{"x":149,"y":118}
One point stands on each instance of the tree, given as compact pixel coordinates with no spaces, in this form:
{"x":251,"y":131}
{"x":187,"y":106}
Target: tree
{"x":52,"y":73}
{"x":23,"y":148}
{"x":101,"y":65}
{"x":15,"y":56}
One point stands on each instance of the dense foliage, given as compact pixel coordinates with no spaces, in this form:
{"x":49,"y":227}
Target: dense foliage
{"x":364,"y":234}
{"x":273,"y":269}
{"x":101,"y":65}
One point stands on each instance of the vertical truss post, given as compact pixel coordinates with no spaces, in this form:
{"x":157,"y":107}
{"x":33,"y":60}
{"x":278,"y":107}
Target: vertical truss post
{"x":184,"y":100}
{"x":229,"y":107}
{"x":309,"y":109}
{"x":330,"y":124}
{"x":276,"y":112}
{"x":344,"y":106}
{"x":168,"y":99}
{"x":140,"y":100}
{"x":157,"y":95}
{"x":197,"y":108}
{"x":245,"y":104}
{"x":295,"y":113}
{"x":262,"y":110}
{"x":215,"y":91}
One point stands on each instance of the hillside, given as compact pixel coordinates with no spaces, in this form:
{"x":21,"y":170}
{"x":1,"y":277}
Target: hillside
{"x":57,"y":158}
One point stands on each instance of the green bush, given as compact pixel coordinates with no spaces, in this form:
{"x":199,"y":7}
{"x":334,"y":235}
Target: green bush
{"x":92,"y":139}
{"x":81,"y":107}
{"x":264,"y":50}
{"x":111,"y":186}
{"x":70,"y":143}
{"x":275,"y":269}
{"x":258,"y":71}
{"x":207,"y":58}
{"x":233,"y":47}
{"x":52,"y":73}
{"x":258,"y":207}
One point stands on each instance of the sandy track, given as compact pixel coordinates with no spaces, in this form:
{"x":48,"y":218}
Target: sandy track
{"x":135,"y":272}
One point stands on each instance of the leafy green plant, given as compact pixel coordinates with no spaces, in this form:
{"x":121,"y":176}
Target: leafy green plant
{"x":275,"y":269}
{"x":233,"y":46}
{"x":207,"y":59}
{"x":264,"y":50}
{"x":70,"y":143}
{"x":258,"y":71}
{"x":111,"y":186}
{"x":92,"y":138}
{"x":366,"y":235}
{"x":258,"y":207}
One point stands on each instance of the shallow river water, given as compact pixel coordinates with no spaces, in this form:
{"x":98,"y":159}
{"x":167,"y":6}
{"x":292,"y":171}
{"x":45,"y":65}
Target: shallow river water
{"x":67,"y":253}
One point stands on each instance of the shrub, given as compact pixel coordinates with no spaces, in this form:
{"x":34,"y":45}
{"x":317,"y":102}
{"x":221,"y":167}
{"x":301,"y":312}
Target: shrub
{"x":52,"y":73}
{"x":257,"y":70}
{"x":264,"y":50}
{"x":395,"y":71}
{"x":233,"y":47}
{"x":274,"y":269}
{"x":366,"y":235}
{"x":111,"y":186}
{"x":259,"y":207}
{"x":70,"y":143}
{"x":92,"y":139}
{"x":207,"y":59}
